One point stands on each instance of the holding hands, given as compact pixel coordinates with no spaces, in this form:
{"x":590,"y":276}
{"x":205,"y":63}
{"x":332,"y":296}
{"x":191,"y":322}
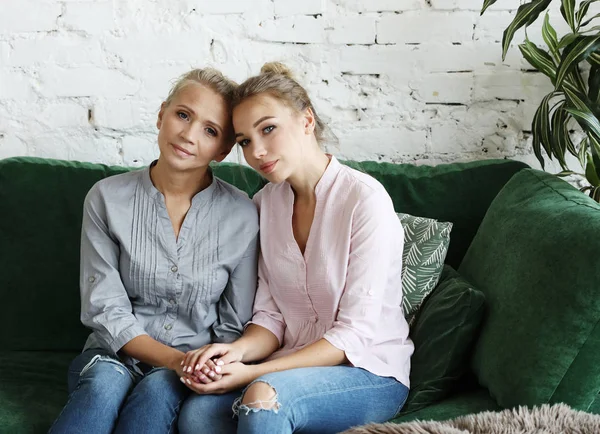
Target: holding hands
{"x":215,"y":369}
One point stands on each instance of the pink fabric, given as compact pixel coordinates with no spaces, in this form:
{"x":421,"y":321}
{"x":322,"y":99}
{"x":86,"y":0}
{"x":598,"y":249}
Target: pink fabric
{"x":346,"y":287}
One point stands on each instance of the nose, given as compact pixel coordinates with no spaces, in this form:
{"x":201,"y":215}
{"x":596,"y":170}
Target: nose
{"x":188,"y":134}
{"x":258,"y":149}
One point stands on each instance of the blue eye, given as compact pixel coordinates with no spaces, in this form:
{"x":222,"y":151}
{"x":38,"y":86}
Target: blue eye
{"x":211,"y":131}
{"x":243,"y":143}
{"x":183,"y":115}
{"x":268,"y":129}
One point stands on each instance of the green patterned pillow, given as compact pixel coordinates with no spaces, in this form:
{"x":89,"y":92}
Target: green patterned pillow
{"x":425,"y":246}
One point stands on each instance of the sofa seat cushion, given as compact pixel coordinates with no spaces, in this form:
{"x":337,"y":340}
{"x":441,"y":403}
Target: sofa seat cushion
{"x":33,"y":389}
{"x":458,"y":404}
{"x":535,"y":257}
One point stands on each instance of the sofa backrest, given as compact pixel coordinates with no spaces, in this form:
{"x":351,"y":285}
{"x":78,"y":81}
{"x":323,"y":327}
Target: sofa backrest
{"x":40,"y":223}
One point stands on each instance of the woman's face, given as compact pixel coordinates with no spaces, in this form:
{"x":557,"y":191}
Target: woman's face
{"x":194,"y":128}
{"x":271,"y":135}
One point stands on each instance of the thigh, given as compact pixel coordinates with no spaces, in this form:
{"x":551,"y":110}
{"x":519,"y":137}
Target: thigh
{"x":208,"y":414}
{"x":332,"y":399}
{"x":154,"y":403}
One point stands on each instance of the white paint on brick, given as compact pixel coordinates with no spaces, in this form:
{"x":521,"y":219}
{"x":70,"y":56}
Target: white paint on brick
{"x":15,"y":85}
{"x":445,"y":88}
{"x":353,"y":30}
{"x":382,"y":5}
{"x":397,"y":80}
{"x":139,"y":150}
{"x":305,"y":7}
{"x":423,"y":26}
{"x":474,"y":5}
{"x":298,"y":29}
{"x":91,"y":18}
{"x":373,"y":143}
{"x":85,"y":81}
{"x":62,"y":50}
{"x":29,"y":16}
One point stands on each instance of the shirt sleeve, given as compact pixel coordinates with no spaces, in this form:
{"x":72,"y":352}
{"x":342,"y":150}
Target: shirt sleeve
{"x":367,"y":276}
{"x":234,"y":308}
{"x":105,"y":305}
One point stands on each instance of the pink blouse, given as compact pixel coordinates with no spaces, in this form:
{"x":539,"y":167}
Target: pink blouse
{"x":346,"y":287}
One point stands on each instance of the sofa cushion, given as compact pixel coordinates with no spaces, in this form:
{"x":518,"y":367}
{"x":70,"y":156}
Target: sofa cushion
{"x":443,"y":334}
{"x":33,"y":389}
{"x":459,"y":193}
{"x":458,"y":404}
{"x":425,"y":246}
{"x":535,"y":257}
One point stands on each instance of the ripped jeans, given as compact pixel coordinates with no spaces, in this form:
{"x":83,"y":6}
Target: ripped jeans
{"x":105,"y":396}
{"x":307,"y":400}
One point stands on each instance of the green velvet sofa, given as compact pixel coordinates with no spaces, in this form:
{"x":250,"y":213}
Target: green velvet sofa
{"x":526,"y":239}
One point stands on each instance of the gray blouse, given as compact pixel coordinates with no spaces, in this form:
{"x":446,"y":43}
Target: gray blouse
{"x":136,"y":278}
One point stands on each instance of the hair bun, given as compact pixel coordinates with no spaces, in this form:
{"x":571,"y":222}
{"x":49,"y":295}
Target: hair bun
{"x":276,"y":68}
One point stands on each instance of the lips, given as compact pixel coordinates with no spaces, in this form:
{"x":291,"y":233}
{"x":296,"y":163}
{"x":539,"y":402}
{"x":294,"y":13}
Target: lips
{"x":268,"y":167}
{"x":182,"y":151}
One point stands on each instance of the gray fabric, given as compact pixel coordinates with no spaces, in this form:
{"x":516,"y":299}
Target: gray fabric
{"x":545,"y":419}
{"x":137,"y":278}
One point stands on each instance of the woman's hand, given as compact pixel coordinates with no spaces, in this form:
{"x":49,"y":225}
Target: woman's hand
{"x":212,"y":356}
{"x":235,"y":376}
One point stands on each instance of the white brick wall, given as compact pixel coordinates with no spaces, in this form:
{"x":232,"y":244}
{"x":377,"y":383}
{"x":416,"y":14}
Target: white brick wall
{"x":399,"y":80}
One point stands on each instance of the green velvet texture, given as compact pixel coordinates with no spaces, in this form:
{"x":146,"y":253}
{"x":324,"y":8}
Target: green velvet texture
{"x":443,"y":334}
{"x":33,"y":389}
{"x":535,"y":257}
{"x":459,"y":404}
{"x":459,"y":193}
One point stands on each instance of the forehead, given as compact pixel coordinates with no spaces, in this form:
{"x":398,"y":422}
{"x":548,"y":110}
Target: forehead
{"x":259,"y":105}
{"x":201,"y":99}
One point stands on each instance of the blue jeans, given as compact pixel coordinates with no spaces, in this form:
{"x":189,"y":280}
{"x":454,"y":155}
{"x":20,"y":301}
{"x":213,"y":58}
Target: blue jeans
{"x":308,"y":400}
{"x":106,"y":396}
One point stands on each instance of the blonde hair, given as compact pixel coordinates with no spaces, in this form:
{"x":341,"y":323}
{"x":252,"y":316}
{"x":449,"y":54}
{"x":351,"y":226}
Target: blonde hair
{"x":277,"y":80}
{"x":209,"y":77}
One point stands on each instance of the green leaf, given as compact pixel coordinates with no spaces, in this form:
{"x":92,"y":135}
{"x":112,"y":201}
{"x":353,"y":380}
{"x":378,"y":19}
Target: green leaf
{"x":568,"y":39}
{"x":595,"y":161}
{"x":541,"y":129}
{"x":539,"y":59}
{"x":583,"y":10}
{"x":487,"y":4}
{"x":566,"y":173}
{"x":594,"y":59}
{"x":578,"y":51}
{"x":567,"y":9}
{"x":596,"y":194}
{"x":582,"y":153}
{"x":550,"y":38}
{"x":590,"y":20}
{"x":526,"y":14}
{"x":559,"y":136}
{"x":594,"y":83}
{"x":590,"y":172}
{"x":587,"y":120}
{"x":576,"y":99}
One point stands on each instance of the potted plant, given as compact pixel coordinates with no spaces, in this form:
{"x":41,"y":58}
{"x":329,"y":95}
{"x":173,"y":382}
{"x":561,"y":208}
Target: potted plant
{"x":575,"y":99}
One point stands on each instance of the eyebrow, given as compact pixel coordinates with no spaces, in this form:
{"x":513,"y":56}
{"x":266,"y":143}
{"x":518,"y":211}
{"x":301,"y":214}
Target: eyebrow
{"x":256,"y":123}
{"x":216,"y":124}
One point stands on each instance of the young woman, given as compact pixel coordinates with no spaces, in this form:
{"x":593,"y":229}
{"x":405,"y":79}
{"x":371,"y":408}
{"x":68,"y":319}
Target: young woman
{"x":327,"y":315}
{"x":168,"y":264}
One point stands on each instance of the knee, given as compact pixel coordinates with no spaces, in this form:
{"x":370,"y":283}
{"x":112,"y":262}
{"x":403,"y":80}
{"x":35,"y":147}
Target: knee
{"x":260,"y":395}
{"x":106,"y":378}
